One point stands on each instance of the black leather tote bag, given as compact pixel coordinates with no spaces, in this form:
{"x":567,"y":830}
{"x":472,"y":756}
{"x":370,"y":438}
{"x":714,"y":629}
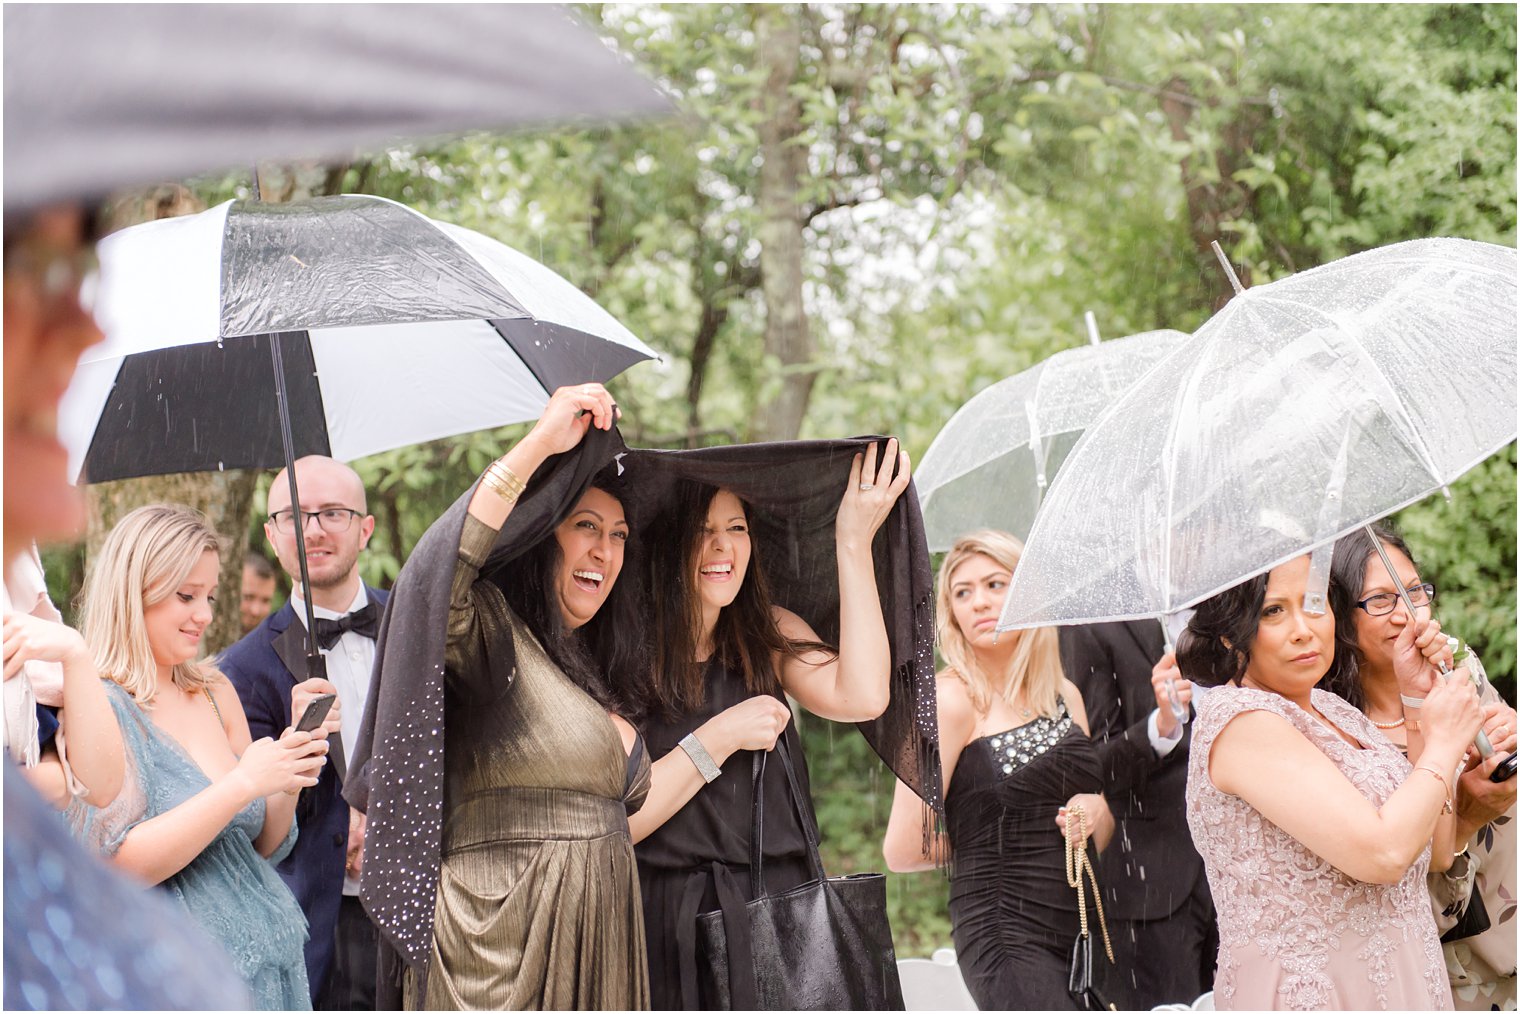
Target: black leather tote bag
{"x":825,"y":945}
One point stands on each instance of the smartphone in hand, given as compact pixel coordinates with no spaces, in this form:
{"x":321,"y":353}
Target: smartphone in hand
{"x":316,"y":712}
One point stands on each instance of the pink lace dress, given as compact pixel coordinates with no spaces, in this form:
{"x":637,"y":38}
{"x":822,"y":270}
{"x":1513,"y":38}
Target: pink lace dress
{"x":1296,"y":933}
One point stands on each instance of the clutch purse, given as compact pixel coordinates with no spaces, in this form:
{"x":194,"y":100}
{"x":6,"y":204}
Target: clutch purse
{"x":1080,"y":981}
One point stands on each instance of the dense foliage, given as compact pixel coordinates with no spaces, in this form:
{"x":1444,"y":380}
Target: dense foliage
{"x":973,"y":179}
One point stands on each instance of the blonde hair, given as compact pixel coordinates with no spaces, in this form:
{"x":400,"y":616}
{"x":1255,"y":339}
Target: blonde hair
{"x":144,"y":559}
{"x":1035,"y":669}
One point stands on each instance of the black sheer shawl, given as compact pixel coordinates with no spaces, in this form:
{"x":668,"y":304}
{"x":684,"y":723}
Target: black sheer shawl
{"x":794,"y":489}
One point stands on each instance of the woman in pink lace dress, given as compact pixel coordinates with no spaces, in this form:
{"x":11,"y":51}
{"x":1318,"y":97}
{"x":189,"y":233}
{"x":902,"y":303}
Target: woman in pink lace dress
{"x":1315,"y":831}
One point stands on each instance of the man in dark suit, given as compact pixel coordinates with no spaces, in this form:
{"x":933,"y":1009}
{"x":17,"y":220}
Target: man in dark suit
{"x":268,"y":667}
{"x":1155,"y":894}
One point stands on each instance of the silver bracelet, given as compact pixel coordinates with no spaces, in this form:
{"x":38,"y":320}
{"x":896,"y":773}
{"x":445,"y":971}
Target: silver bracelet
{"x":1412,"y":702}
{"x":706,"y":767}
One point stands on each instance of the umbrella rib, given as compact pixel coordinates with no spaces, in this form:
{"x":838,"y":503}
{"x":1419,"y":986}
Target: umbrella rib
{"x":1169,"y":463}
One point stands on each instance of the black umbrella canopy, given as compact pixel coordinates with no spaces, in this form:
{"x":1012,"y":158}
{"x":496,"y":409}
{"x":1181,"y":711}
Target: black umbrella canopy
{"x":103,"y":96}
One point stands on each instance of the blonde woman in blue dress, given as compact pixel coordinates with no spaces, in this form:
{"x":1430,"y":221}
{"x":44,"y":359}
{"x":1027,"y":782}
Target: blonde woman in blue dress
{"x":204,"y":812}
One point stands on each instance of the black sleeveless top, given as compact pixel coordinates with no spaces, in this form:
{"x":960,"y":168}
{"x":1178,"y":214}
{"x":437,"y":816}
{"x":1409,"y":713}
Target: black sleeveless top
{"x":698,"y":860}
{"x":1012,"y":915}
{"x":715,"y":823}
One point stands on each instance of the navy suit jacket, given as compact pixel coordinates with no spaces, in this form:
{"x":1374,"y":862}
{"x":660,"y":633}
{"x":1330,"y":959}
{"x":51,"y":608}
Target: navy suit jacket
{"x":260,"y":667}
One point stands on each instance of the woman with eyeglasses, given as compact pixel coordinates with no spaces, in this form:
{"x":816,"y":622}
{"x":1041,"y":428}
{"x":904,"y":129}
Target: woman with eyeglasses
{"x":1474,"y":898}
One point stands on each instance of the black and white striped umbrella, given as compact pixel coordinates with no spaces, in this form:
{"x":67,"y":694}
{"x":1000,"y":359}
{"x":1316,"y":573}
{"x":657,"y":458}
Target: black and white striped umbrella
{"x":395,"y":329}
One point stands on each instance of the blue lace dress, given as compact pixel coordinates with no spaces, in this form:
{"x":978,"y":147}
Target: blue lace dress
{"x":229,"y":889}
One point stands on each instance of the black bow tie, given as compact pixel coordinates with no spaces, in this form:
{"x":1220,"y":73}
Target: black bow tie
{"x":364,"y":622}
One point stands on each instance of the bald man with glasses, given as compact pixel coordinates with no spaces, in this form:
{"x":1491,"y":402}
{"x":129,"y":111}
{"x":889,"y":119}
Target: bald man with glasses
{"x":266,"y":666}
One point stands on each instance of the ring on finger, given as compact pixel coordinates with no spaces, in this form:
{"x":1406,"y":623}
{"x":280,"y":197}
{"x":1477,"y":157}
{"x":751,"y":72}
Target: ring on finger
{"x":866,"y":487}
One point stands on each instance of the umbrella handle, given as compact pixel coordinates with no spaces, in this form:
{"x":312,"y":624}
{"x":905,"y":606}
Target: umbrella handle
{"x":1179,"y":712}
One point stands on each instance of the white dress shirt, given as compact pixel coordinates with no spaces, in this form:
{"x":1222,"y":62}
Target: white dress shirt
{"x":349,"y":663}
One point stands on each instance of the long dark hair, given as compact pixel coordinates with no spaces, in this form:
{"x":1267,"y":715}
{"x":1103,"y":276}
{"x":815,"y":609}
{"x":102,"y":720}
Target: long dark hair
{"x":746,"y":638}
{"x":595,"y":655}
{"x":1348,"y":573}
{"x":1215,"y":649}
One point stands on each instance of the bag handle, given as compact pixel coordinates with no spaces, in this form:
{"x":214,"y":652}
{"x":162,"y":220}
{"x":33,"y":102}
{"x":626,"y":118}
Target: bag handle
{"x":757,"y":826}
{"x":1077,"y":862}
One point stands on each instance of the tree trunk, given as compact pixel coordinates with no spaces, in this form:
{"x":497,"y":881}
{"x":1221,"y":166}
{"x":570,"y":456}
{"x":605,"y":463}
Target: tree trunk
{"x":1209,"y":204}
{"x":787,"y":338}
{"x":712,"y":320}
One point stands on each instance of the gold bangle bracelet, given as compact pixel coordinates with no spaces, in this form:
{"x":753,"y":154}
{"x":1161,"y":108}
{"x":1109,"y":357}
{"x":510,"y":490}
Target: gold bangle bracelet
{"x":502,"y":481}
{"x":1445,"y":786}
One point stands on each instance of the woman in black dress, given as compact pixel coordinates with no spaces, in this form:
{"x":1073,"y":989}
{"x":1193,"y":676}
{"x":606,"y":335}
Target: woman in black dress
{"x":723,"y":659}
{"x":1015,"y":755}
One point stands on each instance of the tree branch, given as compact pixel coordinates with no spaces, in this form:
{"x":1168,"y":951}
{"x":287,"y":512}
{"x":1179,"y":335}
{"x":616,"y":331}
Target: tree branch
{"x":832,"y":204}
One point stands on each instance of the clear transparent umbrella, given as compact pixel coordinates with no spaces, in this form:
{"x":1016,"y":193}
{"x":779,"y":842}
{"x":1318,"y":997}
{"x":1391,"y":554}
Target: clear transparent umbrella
{"x":991,"y":464}
{"x":1304,"y":409}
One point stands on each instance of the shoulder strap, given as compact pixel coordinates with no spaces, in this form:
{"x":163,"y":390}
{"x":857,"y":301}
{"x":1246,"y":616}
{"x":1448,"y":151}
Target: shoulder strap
{"x":757,"y":827}
{"x":212,"y":698}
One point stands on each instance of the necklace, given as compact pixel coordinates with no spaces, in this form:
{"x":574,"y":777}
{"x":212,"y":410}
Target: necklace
{"x":1386,"y":725}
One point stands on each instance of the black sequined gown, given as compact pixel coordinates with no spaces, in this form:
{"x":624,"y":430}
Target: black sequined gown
{"x":1012,"y":915}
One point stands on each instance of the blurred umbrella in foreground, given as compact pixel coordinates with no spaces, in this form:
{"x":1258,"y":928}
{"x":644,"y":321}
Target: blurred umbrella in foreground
{"x":991,"y":464}
{"x":102,"y":96}
{"x":396,"y":329}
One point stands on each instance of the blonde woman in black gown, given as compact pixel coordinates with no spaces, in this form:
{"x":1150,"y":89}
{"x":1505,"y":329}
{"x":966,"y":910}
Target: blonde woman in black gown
{"x":1015,"y":756}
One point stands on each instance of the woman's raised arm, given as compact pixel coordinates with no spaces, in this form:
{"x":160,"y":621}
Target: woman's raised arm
{"x":855,"y":685}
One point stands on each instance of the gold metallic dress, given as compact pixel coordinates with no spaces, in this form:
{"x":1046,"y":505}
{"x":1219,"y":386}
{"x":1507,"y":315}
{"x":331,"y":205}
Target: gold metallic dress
{"x":538,"y":897}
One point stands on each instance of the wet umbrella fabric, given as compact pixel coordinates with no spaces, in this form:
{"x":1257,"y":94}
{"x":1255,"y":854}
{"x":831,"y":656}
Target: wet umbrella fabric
{"x":991,"y":464}
{"x":397,"y":329}
{"x":101,"y":96}
{"x":1304,"y":409}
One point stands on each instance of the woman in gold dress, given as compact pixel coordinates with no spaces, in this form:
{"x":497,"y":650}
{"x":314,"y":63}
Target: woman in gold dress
{"x":493,"y":745}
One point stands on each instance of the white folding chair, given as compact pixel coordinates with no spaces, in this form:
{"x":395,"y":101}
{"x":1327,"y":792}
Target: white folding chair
{"x":934,"y":983}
